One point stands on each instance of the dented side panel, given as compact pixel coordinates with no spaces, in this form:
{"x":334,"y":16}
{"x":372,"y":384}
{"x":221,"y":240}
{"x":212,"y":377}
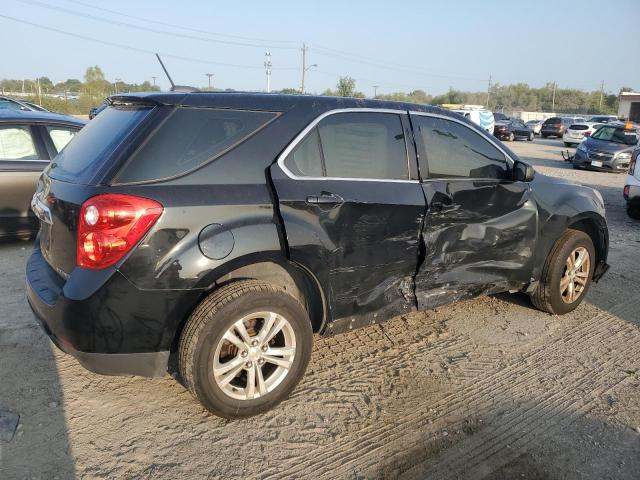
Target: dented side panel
{"x":479,"y":238}
{"x":363,"y":251}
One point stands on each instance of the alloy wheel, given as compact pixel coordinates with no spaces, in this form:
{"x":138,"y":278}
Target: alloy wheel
{"x":254,"y":355}
{"x":576,"y":275}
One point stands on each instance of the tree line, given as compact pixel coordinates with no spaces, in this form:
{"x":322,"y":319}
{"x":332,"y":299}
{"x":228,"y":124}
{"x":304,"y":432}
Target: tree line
{"x":517,"y":97}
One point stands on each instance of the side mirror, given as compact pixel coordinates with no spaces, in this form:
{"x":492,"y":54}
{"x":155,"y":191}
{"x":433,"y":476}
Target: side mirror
{"x":523,"y":172}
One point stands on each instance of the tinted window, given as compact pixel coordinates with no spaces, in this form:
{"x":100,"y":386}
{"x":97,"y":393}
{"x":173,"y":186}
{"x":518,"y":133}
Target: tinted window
{"x":579,"y":126}
{"x":454,"y":150}
{"x":91,"y":147}
{"x":188,"y":138}
{"x":364,"y":145}
{"x":16,"y":143}
{"x":60,"y":136}
{"x":306,"y":158}
{"x":552,"y":120}
{"x":6,"y":104}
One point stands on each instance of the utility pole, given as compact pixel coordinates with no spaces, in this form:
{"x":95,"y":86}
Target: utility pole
{"x":304,"y":65}
{"x":488,"y":91}
{"x":601,"y":94}
{"x":23,"y":86}
{"x":116,"y":84}
{"x":154,"y":81}
{"x":267,"y":67}
{"x":553,"y":98}
{"x":209,"y":75}
{"x":39,"y":92}
{"x":375,"y":91}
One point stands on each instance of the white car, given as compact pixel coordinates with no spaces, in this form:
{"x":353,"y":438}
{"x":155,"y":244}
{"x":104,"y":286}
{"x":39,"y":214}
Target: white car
{"x":578,"y":132}
{"x":631,"y":190}
{"x":479,"y":116}
{"x":535,"y":125}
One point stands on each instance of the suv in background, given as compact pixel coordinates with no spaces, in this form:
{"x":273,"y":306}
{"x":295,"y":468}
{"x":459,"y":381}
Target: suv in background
{"x":631,"y":190}
{"x":214,"y":233}
{"x":28,"y":140}
{"x":556,"y":126}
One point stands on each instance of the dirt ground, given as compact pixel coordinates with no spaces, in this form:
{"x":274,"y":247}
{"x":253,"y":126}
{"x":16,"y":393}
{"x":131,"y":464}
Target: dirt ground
{"x":485,"y":389}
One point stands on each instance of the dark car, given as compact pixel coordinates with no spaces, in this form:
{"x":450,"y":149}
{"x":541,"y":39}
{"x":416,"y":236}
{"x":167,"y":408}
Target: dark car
{"x":96,"y":110}
{"x":500,"y":117}
{"x":511,"y":129}
{"x":28,"y":140}
{"x":556,"y":126}
{"x":212,"y":234}
{"x":609,"y":148}
{"x":8,"y":103}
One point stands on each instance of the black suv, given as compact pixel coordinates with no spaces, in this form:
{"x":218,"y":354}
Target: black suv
{"x":212,"y":234}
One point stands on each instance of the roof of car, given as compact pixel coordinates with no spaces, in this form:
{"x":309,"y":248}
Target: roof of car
{"x":29,"y":116}
{"x":269,"y":101}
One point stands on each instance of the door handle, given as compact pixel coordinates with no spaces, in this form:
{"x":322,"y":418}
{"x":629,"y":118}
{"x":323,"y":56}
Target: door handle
{"x":325,"y":199}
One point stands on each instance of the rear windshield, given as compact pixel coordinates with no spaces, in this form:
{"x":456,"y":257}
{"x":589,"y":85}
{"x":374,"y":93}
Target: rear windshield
{"x":579,"y":126}
{"x":552,"y":120}
{"x":189,"y":138}
{"x":616,"y":135}
{"x":90,"y":148}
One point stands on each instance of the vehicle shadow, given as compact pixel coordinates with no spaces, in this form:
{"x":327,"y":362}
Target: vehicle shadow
{"x":527,"y":440}
{"x":29,"y":384}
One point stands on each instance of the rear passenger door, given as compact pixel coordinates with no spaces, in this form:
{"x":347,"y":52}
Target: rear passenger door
{"x":22,"y":159}
{"x":480,"y":228}
{"x":352,"y":208}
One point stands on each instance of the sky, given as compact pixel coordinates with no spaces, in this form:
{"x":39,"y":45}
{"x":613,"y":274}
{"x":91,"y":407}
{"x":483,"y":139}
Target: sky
{"x":396,"y":46}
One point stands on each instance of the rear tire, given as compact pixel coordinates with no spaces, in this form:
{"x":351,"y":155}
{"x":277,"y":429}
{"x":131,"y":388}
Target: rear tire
{"x":531,"y":135}
{"x":511,"y":137}
{"x":564,"y":283}
{"x":633,"y":212}
{"x":228,"y":358}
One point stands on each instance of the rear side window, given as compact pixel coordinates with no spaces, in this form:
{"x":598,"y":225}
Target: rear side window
{"x":454,"y":150}
{"x":91,"y":147}
{"x":60,"y":136}
{"x":353,"y":145}
{"x":189,"y":138}
{"x":579,"y":126}
{"x":16,"y":143}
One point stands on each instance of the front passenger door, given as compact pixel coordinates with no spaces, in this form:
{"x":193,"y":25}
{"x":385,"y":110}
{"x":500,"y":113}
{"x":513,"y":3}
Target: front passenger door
{"x":480,"y":228}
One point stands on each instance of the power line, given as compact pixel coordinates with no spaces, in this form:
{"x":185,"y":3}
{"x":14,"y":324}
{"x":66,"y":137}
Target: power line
{"x":148,"y":29}
{"x":181,"y":27}
{"x":134,"y":49}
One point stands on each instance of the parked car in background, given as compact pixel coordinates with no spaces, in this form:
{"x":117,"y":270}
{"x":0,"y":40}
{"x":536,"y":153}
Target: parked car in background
{"x":609,"y":148}
{"x":577,"y":132}
{"x":512,"y":129}
{"x":481,"y":117}
{"x":8,"y":103}
{"x":556,"y":126}
{"x":535,"y":125}
{"x":603,"y":119}
{"x":28,"y":141}
{"x":221,"y":230}
{"x":96,"y":110}
{"x":631,"y":190}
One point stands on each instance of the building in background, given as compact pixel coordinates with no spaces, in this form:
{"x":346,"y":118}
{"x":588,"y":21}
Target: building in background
{"x":629,"y":106}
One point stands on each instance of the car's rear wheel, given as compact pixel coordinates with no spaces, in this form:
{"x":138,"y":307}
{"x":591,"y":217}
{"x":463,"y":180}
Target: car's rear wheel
{"x":245,"y":348}
{"x":511,"y":137}
{"x":633,"y":212}
{"x":567,"y":274}
{"x":531,"y":135}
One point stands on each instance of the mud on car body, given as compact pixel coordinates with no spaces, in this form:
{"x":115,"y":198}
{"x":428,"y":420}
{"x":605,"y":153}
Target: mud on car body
{"x":213,"y":234}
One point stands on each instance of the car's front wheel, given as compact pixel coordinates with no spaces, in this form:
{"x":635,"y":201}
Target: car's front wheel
{"x":567,"y":274}
{"x":511,"y":137}
{"x":245,"y":348}
{"x":531,"y":135}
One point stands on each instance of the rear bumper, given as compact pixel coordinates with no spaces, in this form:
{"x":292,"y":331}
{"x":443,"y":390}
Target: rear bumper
{"x":103,"y":320}
{"x":556,"y":132}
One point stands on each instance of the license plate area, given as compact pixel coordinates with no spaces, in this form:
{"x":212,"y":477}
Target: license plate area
{"x":596,"y":163}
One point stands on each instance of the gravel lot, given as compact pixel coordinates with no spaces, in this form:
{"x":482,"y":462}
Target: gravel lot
{"x":485,"y":389}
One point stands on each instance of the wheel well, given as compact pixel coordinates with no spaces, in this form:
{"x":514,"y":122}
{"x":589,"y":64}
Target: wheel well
{"x":294,"y":280}
{"x":591,"y":228}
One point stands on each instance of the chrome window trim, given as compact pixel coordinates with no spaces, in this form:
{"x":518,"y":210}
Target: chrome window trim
{"x":301,"y":136}
{"x":510,"y":161}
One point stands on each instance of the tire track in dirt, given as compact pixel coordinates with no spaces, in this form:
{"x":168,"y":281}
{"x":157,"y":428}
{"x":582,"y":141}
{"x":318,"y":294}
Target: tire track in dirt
{"x":377,"y":439}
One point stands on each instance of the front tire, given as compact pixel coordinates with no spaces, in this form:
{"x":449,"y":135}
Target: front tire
{"x":531,"y":135}
{"x":511,"y":137}
{"x":566,"y":275}
{"x":245,"y":348}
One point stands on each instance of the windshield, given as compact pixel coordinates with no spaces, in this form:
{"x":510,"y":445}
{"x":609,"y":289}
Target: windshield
{"x":616,"y":135}
{"x":89,"y":150}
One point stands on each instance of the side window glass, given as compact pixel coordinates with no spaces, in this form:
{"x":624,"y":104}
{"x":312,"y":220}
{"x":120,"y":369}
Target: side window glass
{"x":306,"y":158}
{"x":60,"y":136}
{"x":364,"y":145}
{"x":16,"y":143}
{"x":454,"y":150}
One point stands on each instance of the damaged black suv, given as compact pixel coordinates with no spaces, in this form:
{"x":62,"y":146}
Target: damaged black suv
{"x":212,"y":234}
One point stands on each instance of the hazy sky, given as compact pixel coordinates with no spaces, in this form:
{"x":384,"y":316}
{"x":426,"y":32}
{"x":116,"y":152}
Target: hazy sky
{"x":400,"y":46}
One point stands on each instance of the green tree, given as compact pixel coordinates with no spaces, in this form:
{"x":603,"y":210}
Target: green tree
{"x":346,"y":87}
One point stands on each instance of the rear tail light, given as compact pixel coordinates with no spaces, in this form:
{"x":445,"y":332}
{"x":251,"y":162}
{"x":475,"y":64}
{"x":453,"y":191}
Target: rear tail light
{"x":587,"y":134}
{"x":625,"y":192}
{"x":110,"y":226}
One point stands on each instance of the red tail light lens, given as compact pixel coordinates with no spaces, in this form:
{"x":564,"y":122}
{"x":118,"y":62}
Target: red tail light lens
{"x":110,"y":225}
{"x":587,"y":134}
{"x":625,"y":192}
